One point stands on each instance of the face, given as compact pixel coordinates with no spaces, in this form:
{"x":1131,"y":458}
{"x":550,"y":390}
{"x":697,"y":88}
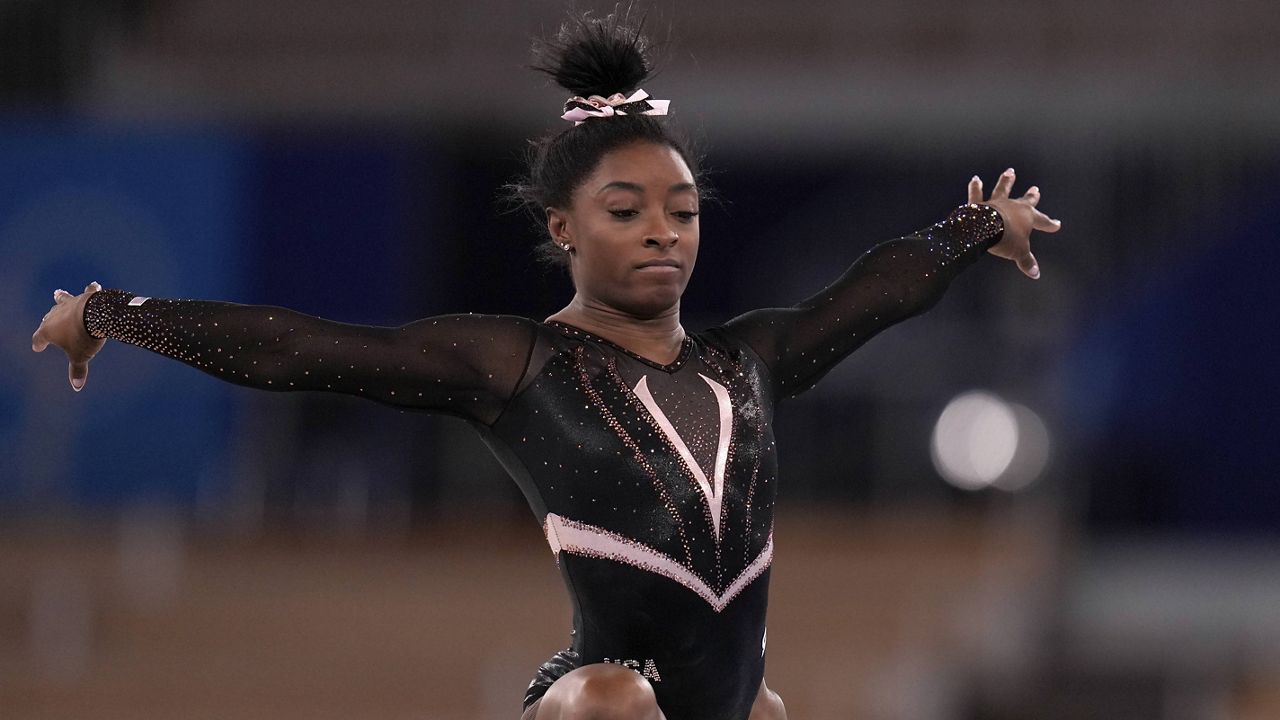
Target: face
{"x":633,"y":227}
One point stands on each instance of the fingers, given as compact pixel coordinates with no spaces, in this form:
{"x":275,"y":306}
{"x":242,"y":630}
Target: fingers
{"x":77,"y":373}
{"x":975,"y":190}
{"x":38,"y":341}
{"x":92,"y":287}
{"x":60,"y":296}
{"x":1040,"y":221}
{"x":1003,"y":185}
{"x":1029,"y":267}
{"x":1044,"y":223}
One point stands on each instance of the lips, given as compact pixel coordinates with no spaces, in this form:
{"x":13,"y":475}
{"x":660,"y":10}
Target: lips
{"x":659,"y":263}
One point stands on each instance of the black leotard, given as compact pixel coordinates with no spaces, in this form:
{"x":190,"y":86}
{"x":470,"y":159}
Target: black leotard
{"x":654,"y":484}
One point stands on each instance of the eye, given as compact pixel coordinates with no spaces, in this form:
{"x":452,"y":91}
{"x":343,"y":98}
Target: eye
{"x":686,"y":215}
{"x":624,"y":214}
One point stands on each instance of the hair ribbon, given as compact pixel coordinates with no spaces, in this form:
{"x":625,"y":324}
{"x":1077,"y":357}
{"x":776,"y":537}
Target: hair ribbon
{"x":577,"y":108}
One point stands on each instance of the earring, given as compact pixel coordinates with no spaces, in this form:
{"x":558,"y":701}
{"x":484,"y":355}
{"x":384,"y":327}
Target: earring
{"x":565,"y":247}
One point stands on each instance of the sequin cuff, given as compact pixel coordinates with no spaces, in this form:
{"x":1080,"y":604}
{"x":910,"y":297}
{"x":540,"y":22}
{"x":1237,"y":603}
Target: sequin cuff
{"x":975,"y":225}
{"x":102,"y":311}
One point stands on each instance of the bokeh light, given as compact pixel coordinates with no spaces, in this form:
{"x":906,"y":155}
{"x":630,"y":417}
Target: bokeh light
{"x":1031,"y":455}
{"x":982,"y":441}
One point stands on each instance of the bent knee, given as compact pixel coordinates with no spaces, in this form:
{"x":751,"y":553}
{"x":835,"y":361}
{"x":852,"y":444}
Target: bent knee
{"x":777,"y":709}
{"x":605,"y":692}
{"x":768,"y":706}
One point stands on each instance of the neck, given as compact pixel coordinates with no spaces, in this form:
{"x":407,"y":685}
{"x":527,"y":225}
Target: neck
{"x":661,"y":334}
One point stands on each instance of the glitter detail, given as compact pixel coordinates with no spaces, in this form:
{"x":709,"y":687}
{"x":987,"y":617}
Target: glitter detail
{"x":712,"y":491}
{"x":575,"y":538}
{"x":272,"y":348}
{"x":611,"y":420}
{"x":749,"y":409}
{"x":575,"y":332}
{"x":889,"y":283}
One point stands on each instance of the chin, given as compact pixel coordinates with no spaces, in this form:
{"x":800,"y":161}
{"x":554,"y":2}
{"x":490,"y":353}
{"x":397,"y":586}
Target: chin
{"x":654,"y":302}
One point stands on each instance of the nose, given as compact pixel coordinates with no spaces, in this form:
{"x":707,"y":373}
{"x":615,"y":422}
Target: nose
{"x":661,"y":235}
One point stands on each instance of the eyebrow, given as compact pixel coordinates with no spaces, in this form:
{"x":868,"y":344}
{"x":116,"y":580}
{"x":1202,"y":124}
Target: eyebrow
{"x":636,"y":187}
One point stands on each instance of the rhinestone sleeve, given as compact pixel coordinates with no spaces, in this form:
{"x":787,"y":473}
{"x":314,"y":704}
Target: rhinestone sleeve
{"x":465,"y":365}
{"x":891,"y":282}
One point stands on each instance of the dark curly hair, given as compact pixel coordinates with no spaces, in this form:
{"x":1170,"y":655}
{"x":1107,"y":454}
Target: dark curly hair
{"x":589,"y":56}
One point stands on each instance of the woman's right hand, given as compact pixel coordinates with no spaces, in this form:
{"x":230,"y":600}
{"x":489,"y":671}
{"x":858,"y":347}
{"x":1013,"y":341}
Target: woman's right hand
{"x":63,"y":326}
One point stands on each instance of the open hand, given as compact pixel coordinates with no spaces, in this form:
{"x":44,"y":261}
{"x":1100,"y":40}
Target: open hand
{"x":1020,"y":218}
{"x":63,"y":326}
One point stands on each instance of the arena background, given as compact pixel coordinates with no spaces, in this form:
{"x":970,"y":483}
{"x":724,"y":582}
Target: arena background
{"x":173,"y":547}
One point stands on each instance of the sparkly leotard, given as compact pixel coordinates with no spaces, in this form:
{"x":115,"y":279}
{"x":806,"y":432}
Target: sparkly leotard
{"x":654,"y":484}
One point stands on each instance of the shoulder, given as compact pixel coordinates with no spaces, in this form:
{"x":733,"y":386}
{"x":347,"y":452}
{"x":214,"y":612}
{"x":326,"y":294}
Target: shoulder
{"x":477,"y":328}
{"x":719,"y":340}
{"x":480,"y":320}
{"x":736,"y":361}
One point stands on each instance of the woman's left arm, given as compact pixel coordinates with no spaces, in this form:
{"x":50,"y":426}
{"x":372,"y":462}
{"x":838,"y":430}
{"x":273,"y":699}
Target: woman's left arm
{"x":891,"y":282}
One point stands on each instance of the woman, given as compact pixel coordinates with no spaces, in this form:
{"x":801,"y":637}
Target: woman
{"x":645,"y":452}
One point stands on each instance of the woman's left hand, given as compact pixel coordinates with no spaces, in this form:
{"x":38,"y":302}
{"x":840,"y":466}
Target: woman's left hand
{"x":1020,"y":218}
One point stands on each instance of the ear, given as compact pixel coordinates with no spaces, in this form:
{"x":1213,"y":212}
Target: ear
{"x":558,"y":225}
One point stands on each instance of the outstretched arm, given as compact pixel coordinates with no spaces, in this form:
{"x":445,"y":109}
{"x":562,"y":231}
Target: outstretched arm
{"x":891,"y":282}
{"x":465,"y":365}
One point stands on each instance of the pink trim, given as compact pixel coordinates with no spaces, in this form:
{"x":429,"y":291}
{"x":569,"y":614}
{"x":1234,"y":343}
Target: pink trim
{"x":575,"y":538}
{"x":722,"y":447}
{"x":713,"y":494}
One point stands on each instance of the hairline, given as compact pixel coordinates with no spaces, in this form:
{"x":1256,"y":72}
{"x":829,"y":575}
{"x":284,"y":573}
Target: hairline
{"x":627,"y":185}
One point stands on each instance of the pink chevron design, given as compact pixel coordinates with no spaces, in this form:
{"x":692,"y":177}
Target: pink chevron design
{"x":575,"y":538}
{"x":712,"y":493}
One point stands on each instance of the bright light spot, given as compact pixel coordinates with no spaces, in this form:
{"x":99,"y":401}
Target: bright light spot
{"x":1032,"y":453}
{"x":975,"y":440}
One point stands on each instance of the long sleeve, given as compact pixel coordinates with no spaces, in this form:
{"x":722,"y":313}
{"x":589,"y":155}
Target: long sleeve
{"x":464,"y":365}
{"x":891,"y":282}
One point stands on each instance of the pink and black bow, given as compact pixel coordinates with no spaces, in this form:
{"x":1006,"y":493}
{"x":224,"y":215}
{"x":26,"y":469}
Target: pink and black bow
{"x":578,"y":108}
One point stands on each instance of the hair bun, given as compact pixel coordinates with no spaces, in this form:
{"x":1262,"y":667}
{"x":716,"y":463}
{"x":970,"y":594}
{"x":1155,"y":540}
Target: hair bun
{"x":596,"y":55}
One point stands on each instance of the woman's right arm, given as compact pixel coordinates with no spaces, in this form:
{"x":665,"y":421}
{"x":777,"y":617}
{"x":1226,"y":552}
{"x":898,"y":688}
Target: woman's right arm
{"x":465,"y":365}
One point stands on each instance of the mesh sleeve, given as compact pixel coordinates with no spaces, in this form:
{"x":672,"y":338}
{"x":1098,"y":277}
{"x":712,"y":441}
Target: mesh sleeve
{"x":464,"y":365}
{"x":891,"y":282}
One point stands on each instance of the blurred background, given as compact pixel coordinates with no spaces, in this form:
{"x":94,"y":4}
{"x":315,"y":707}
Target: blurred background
{"x":1043,"y":499}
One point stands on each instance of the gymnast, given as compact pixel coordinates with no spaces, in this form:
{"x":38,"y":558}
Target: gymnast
{"x":646,"y":452}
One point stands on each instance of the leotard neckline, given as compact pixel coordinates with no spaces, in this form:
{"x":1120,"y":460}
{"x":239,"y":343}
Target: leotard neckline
{"x":574,"y":331}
